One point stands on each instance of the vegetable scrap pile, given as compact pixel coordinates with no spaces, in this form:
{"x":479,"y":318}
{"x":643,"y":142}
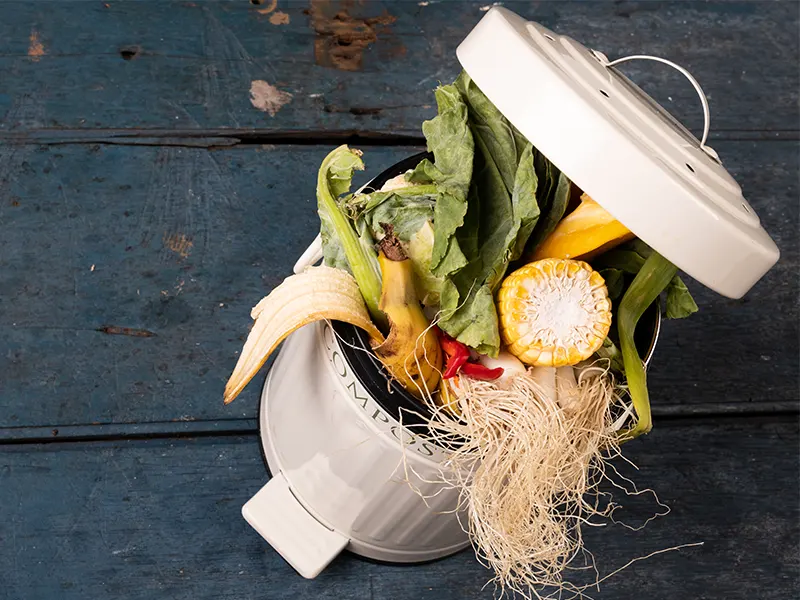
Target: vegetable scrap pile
{"x":506,"y":300}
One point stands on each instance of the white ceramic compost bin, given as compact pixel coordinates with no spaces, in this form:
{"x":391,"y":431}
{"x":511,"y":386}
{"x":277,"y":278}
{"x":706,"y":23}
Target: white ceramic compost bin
{"x":349,"y":460}
{"x":344,"y":450}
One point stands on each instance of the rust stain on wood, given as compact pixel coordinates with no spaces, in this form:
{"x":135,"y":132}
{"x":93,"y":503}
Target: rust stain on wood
{"x":268,"y":98}
{"x":35,"y":46}
{"x":130,"y":331}
{"x":341,"y":38}
{"x":279,"y":18}
{"x":179,"y":243}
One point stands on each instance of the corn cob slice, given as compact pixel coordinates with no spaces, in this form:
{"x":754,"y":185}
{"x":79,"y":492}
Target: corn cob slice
{"x":585,"y":232}
{"x":553,"y":312}
{"x":316,"y":294}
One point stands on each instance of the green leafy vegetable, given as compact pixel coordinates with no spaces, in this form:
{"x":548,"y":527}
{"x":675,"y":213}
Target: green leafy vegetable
{"x":503,"y":155}
{"x":630,"y":258}
{"x":475,"y":321}
{"x":490,"y":128}
{"x":610,"y":352}
{"x":410,"y":211}
{"x":652,"y":279}
{"x":406,"y":209}
{"x":523,"y":201}
{"x":502,"y":210}
{"x":467,"y":312}
{"x":556,"y":205}
{"x":450,"y":139}
{"x":340,"y":241}
{"x":626,"y":261}
{"x":420,"y":248}
{"x":478,"y":233}
{"x":615,"y":282}
{"x":680,"y":303}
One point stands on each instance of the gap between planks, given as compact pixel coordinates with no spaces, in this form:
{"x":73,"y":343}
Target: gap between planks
{"x":666,"y":415}
{"x":127,"y":431}
{"x":211,"y":138}
{"x":226,"y":138}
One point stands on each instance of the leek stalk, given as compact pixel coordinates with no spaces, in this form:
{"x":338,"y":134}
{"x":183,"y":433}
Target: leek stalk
{"x":333,"y":180}
{"x":652,"y":279}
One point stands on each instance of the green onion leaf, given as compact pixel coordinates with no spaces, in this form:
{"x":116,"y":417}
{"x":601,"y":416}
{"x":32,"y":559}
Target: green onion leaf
{"x":653,"y":278}
{"x":333,"y":180}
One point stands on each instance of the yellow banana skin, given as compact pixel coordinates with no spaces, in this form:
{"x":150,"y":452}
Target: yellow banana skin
{"x":411,"y":352}
{"x":316,"y":294}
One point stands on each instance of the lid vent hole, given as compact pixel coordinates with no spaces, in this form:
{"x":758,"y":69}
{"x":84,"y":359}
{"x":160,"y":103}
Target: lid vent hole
{"x":746,"y":208}
{"x":605,"y":93}
{"x":549,"y":37}
{"x":690,"y":167}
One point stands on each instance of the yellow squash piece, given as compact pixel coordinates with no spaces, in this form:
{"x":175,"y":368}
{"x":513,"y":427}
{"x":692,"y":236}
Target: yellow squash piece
{"x":585,"y":232}
{"x":554,"y":312}
{"x":316,"y":294}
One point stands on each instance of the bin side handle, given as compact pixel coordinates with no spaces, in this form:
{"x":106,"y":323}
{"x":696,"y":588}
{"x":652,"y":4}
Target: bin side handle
{"x":305,"y":543}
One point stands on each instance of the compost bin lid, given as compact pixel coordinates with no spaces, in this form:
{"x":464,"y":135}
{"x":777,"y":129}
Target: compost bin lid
{"x":622,"y":148}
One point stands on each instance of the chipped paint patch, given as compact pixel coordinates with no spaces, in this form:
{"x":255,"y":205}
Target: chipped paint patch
{"x":279,"y":18}
{"x":341,"y":38}
{"x":130,"y":331}
{"x":269,"y":8}
{"x":179,"y":243}
{"x":35,"y":46}
{"x":268,"y":98}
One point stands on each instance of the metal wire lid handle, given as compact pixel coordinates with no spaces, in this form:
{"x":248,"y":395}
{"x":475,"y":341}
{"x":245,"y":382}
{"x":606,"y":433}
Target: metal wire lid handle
{"x":703,"y":100}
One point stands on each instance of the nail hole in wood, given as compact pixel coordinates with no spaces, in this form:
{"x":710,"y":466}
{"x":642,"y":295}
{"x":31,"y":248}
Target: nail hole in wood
{"x":256,"y":2}
{"x":129,"y":52}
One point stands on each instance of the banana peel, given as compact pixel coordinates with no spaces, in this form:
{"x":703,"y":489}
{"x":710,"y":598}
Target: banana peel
{"x":411,"y":352}
{"x":447,"y":397}
{"x":317,"y":294}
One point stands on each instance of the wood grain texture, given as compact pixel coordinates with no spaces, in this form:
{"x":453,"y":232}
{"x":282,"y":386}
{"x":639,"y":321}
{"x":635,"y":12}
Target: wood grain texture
{"x":161,"y":518}
{"x":361,"y":66}
{"x":135,"y":237}
{"x":171,"y":247}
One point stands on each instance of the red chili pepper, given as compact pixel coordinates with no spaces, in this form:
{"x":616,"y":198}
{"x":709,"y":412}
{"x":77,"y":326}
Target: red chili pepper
{"x":457,"y":354}
{"x":479,"y":371}
{"x":454,"y":365}
{"x":450,"y":346}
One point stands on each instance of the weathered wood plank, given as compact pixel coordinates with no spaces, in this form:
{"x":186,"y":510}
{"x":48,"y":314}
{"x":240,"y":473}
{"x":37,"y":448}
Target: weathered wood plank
{"x":160,"y":518}
{"x":367,"y":66}
{"x":175,"y":242}
{"x":127,"y":275}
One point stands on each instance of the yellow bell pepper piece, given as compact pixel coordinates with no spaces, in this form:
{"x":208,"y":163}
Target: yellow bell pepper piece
{"x":584,"y":233}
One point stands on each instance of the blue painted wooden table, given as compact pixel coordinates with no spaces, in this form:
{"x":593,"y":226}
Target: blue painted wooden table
{"x":153,"y":189}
